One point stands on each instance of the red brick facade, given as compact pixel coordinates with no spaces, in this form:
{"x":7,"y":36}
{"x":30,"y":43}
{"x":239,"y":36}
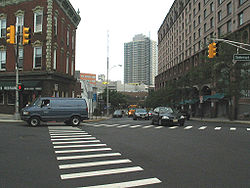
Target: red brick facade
{"x":47,"y":79}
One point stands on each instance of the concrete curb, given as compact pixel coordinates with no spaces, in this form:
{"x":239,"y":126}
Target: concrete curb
{"x":220,"y":121}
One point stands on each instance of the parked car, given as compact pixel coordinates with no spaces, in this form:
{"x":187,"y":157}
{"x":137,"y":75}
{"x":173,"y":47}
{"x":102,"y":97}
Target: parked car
{"x":71,"y":111}
{"x":117,"y":114}
{"x":167,"y":116}
{"x":140,"y":113}
{"x":185,"y":114}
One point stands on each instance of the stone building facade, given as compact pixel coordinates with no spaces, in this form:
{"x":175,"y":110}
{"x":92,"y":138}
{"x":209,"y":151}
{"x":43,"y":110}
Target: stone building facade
{"x":189,"y":27}
{"x":47,"y":65}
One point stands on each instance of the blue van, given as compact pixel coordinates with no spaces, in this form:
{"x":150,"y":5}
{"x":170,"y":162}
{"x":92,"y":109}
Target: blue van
{"x":71,"y":111}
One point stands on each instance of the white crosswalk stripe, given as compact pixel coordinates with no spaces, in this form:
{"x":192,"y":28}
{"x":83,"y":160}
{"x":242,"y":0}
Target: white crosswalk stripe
{"x":248,"y":129}
{"x":217,"y":128}
{"x":174,"y":127}
{"x":128,"y":184}
{"x":98,"y":163}
{"x":203,"y":127}
{"x":159,"y":127}
{"x":146,"y":127}
{"x":121,"y":126}
{"x":232,"y":129}
{"x":188,"y":127}
{"x":66,"y":143}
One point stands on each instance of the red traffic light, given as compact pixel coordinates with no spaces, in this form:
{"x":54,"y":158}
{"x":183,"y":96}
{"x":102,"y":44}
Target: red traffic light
{"x":20,"y":87}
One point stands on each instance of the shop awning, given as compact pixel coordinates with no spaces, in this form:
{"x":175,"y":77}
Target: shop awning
{"x":215,"y":96}
{"x":28,"y":85}
{"x":190,"y":101}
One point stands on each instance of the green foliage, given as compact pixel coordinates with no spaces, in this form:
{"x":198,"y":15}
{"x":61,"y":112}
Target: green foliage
{"x":115,"y":98}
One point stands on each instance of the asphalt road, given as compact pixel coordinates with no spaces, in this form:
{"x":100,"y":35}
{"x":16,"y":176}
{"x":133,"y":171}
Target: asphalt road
{"x":123,"y":151}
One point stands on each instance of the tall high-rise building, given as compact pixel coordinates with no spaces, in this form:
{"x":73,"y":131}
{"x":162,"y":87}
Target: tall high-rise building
{"x":140,"y":60}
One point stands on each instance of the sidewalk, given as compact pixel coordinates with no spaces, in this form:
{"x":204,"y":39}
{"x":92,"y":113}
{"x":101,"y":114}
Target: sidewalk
{"x":221,"y":120}
{"x":10,"y":118}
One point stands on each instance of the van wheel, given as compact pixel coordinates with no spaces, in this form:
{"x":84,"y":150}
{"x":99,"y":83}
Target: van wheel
{"x":75,"y":120}
{"x":34,"y":121}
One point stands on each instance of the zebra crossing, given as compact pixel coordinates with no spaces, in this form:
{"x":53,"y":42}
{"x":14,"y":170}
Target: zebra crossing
{"x":80,"y":154}
{"x":187,"y":127}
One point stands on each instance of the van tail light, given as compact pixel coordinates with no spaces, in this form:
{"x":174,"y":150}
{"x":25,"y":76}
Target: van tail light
{"x":87,"y":109}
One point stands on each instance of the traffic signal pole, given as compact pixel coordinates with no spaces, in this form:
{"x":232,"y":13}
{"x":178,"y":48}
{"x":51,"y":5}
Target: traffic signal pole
{"x":17,"y":114}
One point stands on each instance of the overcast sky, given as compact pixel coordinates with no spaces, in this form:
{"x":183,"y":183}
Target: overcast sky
{"x":123,"y":19}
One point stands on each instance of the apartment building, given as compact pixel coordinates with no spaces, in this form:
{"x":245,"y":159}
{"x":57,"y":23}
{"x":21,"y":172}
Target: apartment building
{"x":47,"y":65}
{"x":183,"y":38}
{"x":187,"y":29}
{"x":140,"y":60}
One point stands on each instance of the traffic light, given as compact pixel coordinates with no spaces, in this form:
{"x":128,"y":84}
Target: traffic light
{"x":26,"y":35}
{"x":212,"y":50}
{"x":20,"y":87}
{"x":10,"y":34}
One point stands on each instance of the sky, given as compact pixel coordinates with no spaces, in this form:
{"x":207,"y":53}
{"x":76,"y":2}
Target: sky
{"x":122,"y":19}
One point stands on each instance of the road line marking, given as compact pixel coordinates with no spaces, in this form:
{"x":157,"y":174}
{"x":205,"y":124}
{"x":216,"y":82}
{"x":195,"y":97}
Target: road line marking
{"x":90,"y":164}
{"x":121,"y":126}
{"x":65,"y":134}
{"x":149,"y":126}
{"x":65,"y":139}
{"x":71,"y":136}
{"x":75,"y":142}
{"x":79,"y":146}
{"x":217,"y":128}
{"x":159,"y":127}
{"x":188,"y":127}
{"x":88,"y":156}
{"x":232,"y":129}
{"x":127,"y":184}
{"x":134,"y":126}
{"x":203,"y":127}
{"x":112,"y":125}
{"x":63,"y":127}
{"x":83,"y":150}
{"x":101,"y":172}
{"x":248,"y":129}
{"x":174,"y":127}
{"x":63,"y":131}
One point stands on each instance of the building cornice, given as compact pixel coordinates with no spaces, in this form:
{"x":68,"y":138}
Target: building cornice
{"x":69,"y":11}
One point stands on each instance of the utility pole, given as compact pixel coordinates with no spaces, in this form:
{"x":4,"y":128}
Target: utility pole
{"x":107,"y":73}
{"x":17,"y":114}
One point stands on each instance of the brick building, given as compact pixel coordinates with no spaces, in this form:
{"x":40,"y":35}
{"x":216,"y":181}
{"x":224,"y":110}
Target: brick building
{"x":186,"y":32}
{"x":47,"y":65}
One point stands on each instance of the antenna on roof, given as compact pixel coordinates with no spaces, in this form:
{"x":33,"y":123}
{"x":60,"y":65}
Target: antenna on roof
{"x":78,"y":11}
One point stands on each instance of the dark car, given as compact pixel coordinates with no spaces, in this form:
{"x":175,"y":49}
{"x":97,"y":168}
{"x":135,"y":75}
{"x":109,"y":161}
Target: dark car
{"x":185,"y":114}
{"x":167,"y":116}
{"x":117,"y":114}
{"x":69,"y":110}
{"x":140,"y":113}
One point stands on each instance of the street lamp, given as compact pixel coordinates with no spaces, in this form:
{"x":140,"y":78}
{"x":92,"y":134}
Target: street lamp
{"x":108,"y":83}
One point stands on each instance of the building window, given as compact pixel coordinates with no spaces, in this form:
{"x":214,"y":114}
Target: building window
{"x":72,"y":67}
{"x":199,"y":19}
{"x":19,"y":23}
{"x":219,"y":2}
{"x":229,"y":26}
{"x":37,"y":57}
{"x":54,"y":59}
{"x":205,"y":27}
{"x":219,"y":16}
{"x":38,"y":21}
{"x":199,"y":32}
{"x":20,"y":52}
{"x":205,"y":14}
{"x":1,"y":98}
{"x":219,"y":32}
{"x":67,"y":65}
{"x":199,"y":6}
{"x":241,"y":18}
{"x":73,"y":41}
{"x":55,"y":26}
{"x":229,"y":8}
{"x":241,"y":2}
{"x":68,"y":37}
{"x":3,"y":60}
{"x":212,"y":22}
{"x":3,"y":27}
{"x":11,"y":98}
{"x":212,"y":7}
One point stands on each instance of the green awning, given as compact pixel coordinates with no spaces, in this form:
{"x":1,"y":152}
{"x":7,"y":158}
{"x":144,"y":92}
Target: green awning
{"x":215,"y":96}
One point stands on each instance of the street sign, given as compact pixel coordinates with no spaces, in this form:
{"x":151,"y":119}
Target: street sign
{"x":241,"y":57}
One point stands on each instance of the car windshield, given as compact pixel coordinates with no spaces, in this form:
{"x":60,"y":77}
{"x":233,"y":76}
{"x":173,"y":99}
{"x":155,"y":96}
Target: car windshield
{"x":141,"y":110}
{"x":166,"y":110}
{"x":117,"y":112}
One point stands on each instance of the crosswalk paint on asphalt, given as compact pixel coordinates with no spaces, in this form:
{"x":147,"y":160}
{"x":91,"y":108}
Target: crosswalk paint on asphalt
{"x":65,"y":143}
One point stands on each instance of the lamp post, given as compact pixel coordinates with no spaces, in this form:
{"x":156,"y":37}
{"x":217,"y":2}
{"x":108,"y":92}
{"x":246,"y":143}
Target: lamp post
{"x":108,"y":83}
